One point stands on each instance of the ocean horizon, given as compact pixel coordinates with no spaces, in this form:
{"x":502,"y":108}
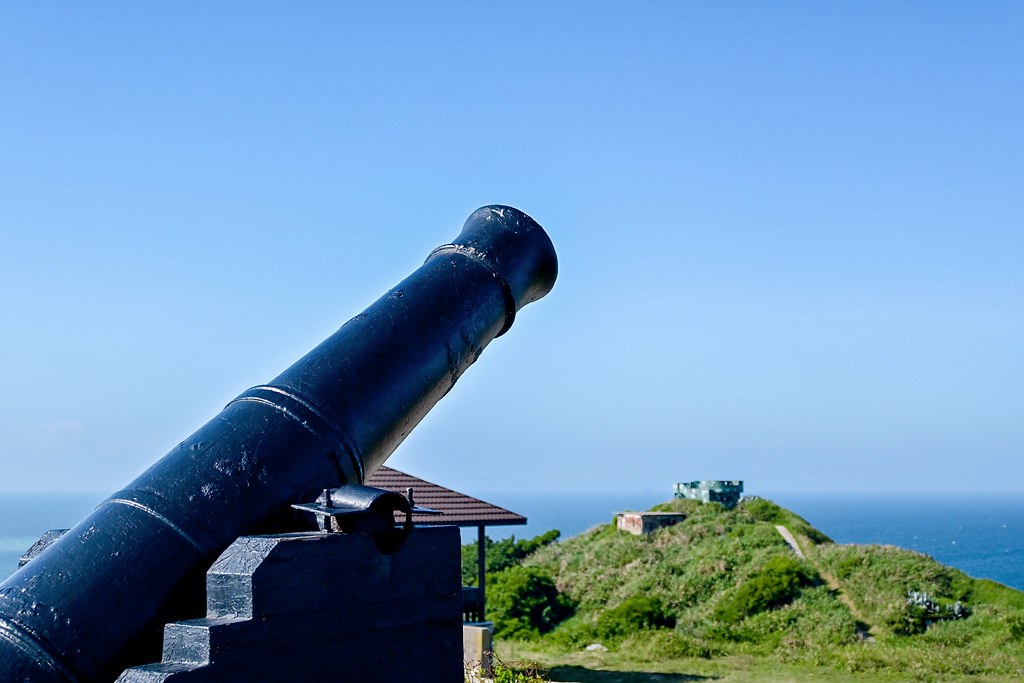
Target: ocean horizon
{"x":980,"y":535}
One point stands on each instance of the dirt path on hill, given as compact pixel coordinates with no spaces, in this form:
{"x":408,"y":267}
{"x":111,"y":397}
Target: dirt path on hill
{"x":864,"y":629}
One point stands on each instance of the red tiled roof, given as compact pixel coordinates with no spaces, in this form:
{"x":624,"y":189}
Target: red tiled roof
{"x":458,"y":508}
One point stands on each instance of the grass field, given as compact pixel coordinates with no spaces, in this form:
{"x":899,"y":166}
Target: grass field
{"x":722,"y":597}
{"x":618,"y":667}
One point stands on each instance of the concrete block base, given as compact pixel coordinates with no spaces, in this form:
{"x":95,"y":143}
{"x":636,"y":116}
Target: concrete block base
{"x":312,"y":606}
{"x":478,"y":646}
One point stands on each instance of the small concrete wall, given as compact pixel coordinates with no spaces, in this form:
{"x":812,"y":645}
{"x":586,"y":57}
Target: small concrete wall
{"x":640,"y":523}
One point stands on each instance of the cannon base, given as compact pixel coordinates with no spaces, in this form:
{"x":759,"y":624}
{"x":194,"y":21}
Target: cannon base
{"x":317,"y":606}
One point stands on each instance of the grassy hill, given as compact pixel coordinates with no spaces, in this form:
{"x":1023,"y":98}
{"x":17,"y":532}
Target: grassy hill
{"x":722,"y":594}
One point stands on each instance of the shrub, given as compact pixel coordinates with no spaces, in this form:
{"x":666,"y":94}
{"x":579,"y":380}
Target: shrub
{"x":763,"y":510}
{"x":846,"y":567}
{"x":637,"y":613}
{"x":654,"y":646}
{"x":920,"y":611}
{"x":574,"y":634}
{"x":905,"y":620}
{"x":817,"y":538}
{"x":518,"y":672}
{"x":777,"y":584}
{"x":1015,"y":622}
{"x":501,"y":555}
{"x":524,"y":603}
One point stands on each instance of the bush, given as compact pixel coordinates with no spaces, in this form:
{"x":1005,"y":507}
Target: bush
{"x":524,"y":603}
{"x":777,"y":584}
{"x":1015,"y":622}
{"x":920,"y":611}
{"x":906,"y":620}
{"x":517,"y":672}
{"x":665,"y":644}
{"x":574,"y":633}
{"x":638,"y":613}
{"x":846,"y":567}
{"x":763,"y":510}
{"x":817,"y":538}
{"x":501,"y":555}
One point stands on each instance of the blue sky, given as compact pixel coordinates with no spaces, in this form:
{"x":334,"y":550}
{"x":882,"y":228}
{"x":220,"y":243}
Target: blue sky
{"x":791,"y":235}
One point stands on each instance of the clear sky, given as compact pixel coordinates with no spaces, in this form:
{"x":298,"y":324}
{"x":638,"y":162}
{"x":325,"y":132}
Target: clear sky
{"x":791,"y":235}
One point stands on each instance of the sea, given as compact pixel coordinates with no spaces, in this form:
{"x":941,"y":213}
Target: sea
{"x":983,"y":535}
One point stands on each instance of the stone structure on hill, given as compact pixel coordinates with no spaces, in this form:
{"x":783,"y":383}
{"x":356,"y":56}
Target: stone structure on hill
{"x":726,"y":492}
{"x":641,"y":523}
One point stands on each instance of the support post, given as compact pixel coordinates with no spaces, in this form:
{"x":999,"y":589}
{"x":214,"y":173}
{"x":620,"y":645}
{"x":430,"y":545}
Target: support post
{"x":481,"y":568}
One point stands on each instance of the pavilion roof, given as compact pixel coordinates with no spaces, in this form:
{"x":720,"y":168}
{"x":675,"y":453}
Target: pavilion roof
{"x":457,"y":508}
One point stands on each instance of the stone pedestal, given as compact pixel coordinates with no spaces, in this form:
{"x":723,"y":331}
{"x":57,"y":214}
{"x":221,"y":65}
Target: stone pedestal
{"x":316,"y":606}
{"x":478,"y":646}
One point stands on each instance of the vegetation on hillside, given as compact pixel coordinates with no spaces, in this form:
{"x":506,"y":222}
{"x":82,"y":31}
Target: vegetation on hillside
{"x":500,"y":555}
{"x":724,"y":584}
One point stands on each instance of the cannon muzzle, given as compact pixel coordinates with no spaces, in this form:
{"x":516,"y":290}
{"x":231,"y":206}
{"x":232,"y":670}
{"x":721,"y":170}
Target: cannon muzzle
{"x":93,"y":603}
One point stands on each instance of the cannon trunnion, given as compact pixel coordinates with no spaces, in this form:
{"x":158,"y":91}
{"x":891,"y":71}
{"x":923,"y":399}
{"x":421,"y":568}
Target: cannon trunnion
{"x":93,"y":603}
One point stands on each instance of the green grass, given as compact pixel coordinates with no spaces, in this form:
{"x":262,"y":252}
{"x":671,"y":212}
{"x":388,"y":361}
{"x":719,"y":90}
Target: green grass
{"x":743,"y":610}
{"x":626,"y":667}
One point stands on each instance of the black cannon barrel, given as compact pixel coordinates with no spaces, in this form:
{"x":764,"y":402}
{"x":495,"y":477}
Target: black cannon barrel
{"x":93,"y":602}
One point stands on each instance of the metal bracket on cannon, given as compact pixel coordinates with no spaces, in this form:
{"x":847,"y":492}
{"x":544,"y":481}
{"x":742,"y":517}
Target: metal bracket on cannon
{"x":355,"y":508}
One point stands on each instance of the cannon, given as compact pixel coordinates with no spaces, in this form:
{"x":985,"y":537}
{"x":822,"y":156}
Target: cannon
{"x":93,"y":602}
